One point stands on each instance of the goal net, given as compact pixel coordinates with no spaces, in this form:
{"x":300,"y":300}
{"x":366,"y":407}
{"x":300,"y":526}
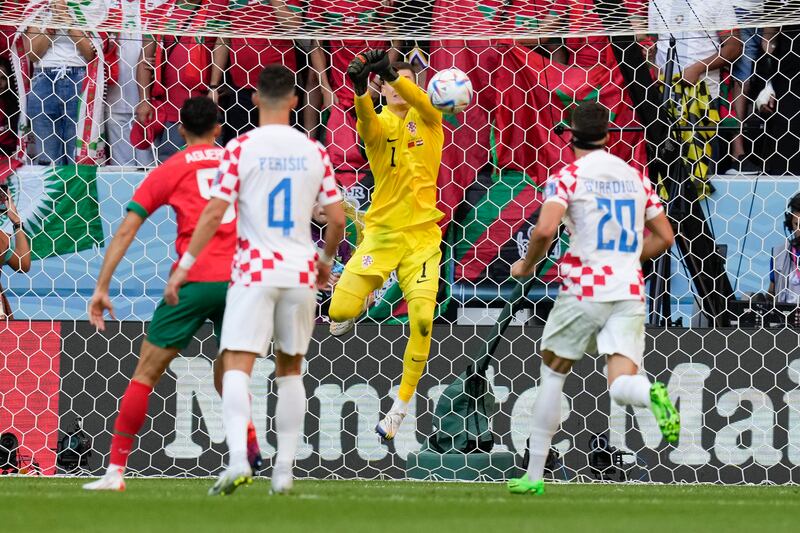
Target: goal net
{"x":703,"y":99}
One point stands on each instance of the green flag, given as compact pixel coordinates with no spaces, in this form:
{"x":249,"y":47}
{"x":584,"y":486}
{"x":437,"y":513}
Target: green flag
{"x":59,"y":208}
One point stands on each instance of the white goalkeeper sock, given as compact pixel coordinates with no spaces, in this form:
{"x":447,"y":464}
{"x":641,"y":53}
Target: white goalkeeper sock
{"x":631,"y":390}
{"x":546,"y":417}
{"x":289,"y":416}
{"x":236,"y":414}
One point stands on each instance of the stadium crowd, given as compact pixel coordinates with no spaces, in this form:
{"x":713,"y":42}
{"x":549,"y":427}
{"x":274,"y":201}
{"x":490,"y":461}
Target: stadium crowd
{"x":147,"y":80}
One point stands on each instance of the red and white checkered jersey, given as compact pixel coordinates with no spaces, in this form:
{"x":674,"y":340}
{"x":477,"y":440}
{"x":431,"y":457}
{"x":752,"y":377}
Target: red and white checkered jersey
{"x":607,"y":204}
{"x":276,"y":174}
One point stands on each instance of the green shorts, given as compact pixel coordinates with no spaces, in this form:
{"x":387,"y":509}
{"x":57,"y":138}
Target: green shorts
{"x":174,"y":327}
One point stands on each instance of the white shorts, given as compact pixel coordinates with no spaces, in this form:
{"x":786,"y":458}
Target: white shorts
{"x":576,"y":327}
{"x":256,"y":314}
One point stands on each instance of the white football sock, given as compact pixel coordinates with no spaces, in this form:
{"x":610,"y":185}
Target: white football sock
{"x":289,"y":417}
{"x":236,"y":413}
{"x":546,"y":417}
{"x":400,"y":406}
{"x":631,"y":390}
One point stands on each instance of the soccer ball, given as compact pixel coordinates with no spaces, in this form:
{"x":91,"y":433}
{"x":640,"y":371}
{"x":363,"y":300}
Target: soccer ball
{"x":450,"y":91}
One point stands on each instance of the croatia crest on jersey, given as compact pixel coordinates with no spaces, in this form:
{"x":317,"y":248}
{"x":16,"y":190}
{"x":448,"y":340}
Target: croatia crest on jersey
{"x":366,"y":261}
{"x":412,"y":128}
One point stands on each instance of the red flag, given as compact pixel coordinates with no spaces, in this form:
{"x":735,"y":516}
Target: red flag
{"x":537,"y":94}
{"x":466,"y":135}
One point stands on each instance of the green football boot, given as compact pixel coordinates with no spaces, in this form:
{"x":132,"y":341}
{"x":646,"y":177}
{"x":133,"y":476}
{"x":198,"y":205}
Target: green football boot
{"x":522,"y":485}
{"x":669,"y":421}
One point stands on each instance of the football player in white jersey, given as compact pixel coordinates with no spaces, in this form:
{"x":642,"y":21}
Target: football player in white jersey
{"x":274,"y":174}
{"x":605,"y":204}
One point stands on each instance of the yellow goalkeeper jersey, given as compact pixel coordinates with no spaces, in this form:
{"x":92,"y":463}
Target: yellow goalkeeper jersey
{"x":404,"y":155}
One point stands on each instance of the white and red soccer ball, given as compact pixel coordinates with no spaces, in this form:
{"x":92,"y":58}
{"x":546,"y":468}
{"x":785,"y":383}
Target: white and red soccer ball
{"x":450,"y":91}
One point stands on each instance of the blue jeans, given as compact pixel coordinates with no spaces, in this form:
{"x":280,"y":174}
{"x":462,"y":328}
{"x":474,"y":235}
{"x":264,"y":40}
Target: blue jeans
{"x":53,"y":105}
{"x":169,"y":142}
{"x":751,"y":49}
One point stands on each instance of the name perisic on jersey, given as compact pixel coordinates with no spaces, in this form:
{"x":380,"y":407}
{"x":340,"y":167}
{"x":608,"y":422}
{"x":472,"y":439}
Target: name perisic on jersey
{"x":283,"y":164}
{"x":209,"y":154}
{"x":610,"y":187}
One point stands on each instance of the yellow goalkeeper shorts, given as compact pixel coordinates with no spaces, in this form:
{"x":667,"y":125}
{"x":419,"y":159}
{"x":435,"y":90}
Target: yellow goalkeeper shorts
{"x":415,"y":255}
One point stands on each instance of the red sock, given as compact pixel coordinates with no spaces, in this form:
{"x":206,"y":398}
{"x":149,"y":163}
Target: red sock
{"x":132,"y":411}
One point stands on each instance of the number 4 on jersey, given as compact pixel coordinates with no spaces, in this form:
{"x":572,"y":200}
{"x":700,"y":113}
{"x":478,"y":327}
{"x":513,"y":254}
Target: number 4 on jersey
{"x":284,"y":189}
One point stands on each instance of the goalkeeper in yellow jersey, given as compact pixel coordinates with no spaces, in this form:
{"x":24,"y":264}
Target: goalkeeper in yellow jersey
{"x":404,"y":148}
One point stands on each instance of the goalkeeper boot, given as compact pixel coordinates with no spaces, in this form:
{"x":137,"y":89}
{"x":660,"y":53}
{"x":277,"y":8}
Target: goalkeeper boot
{"x":231,"y":479}
{"x":389,"y":426}
{"x":669,"y":421}
{"x":253,"y":451}
{"x":523,"y":485}
{"x":282,"y":480}
{"x":112,"y":480}
{"x":338,"y":329}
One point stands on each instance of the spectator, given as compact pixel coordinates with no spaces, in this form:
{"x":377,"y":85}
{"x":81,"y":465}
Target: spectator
{"x":8,"y":112}
{"x":784,"y":265}
{"x":15,"y":249}
{"x":122,"y":99}
{"x":245,"y":57}
{"x":780,"y":99}
{"x":172,"y":70}
{"x":699,"y":56}
{"x":60,"y":58}
{"x":742,"y":70}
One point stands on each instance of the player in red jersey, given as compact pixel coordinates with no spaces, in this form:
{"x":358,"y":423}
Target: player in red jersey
{"x":184,"y":183}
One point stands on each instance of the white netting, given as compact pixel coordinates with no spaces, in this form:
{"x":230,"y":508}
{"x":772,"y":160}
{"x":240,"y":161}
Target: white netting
{"x":726,"y":350}
{"x":397,"y":19}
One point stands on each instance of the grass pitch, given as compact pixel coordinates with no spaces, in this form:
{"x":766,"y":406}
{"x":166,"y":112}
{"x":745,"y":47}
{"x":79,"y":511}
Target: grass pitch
{"x":171,"y":505}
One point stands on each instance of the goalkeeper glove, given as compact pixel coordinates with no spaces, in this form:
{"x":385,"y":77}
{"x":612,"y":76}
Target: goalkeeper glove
{"x":358,"y":72}
{"x":379,"y":64}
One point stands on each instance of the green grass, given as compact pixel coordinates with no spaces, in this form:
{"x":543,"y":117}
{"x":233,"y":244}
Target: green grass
{"x":155,"y":505}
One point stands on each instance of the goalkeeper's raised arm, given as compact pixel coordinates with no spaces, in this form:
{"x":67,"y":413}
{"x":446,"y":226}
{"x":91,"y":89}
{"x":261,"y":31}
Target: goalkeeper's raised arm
{"x":399,"y":88}
{"x":369,"y":125}
{"x":404,"y":86}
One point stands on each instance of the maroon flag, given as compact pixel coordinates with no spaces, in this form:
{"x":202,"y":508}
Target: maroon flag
{"x":537,"y":94}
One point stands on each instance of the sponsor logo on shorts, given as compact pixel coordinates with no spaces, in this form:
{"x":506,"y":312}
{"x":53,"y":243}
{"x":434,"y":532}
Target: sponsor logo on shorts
{"x":366,"y":261}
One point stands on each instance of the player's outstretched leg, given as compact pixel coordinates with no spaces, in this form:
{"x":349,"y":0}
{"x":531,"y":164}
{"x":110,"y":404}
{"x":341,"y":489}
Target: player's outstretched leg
{"x":545,"y":419}
{"x":420,"y":321}
{"x":132,"y":411}
{"x":627,"y":387}
{"x":352,"y":297}
{"x":236,"y":415}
